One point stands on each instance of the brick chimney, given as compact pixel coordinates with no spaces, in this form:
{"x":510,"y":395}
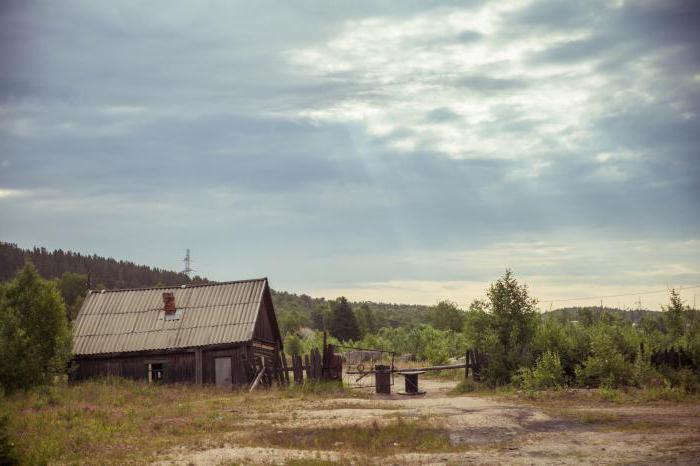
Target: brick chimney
{"x":169,"y":303}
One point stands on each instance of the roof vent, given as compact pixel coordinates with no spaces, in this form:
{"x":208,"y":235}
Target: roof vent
{"x":183,"y":286}
{"x":169,"y":303}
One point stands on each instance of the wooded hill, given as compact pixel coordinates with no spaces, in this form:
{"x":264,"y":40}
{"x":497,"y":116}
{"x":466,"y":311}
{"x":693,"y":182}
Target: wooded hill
{"x":102,"y":272}
{"x":293,"y":309}
{"x":110,"y":273}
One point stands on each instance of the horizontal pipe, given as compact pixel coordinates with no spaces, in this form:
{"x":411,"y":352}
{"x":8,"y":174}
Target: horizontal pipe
{"x":413,"y":369}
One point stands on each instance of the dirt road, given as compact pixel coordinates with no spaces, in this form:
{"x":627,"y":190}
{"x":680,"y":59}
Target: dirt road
{"x":481,"y":431}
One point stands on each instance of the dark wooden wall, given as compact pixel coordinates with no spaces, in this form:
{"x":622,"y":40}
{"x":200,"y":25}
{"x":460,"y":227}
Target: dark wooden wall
{"x":178,"y":367}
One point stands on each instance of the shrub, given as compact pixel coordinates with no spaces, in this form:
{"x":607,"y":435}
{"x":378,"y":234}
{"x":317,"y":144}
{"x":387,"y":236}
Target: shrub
{"x":292,"y":344}
{"x":547,"y":373}
{"x":466,"y":386}
{"x":437,"y":355}
{"x":604,"y":371}
{"x":644,"y":374}
{"x":688,"y":381}
{"x":606,"y":366}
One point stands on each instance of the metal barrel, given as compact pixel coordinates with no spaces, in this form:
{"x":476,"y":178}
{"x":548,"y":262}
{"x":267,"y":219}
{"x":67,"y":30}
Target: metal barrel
{"x":382,"y":379}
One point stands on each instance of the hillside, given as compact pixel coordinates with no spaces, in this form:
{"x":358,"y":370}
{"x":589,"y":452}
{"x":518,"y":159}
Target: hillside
{"x":102,"y":272}
{"x":110,"y":273}
{"x":293,"y":309}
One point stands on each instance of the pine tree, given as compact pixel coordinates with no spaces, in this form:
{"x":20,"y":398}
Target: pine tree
{"x":343,"y":323}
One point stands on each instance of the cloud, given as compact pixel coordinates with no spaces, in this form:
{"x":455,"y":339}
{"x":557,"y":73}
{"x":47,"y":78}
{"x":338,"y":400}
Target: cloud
{"x":358,"y":144}
{"x":8,"y":193}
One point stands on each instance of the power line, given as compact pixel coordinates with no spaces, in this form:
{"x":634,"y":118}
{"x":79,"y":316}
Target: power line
{"x":616,"y":295}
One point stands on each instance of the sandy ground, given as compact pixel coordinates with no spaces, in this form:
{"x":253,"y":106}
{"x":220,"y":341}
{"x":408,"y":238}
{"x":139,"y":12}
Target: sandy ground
{"x":491,"y":432}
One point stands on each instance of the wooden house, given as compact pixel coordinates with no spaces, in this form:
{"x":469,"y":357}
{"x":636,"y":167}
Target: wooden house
{"x":204,"y":334}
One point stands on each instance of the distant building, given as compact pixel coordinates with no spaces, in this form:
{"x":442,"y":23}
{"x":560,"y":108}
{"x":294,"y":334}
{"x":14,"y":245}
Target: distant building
{"x":209,"y":334}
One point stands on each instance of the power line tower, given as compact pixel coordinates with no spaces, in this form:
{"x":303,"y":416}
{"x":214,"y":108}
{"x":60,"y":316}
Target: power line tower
{"x":188,"y":264}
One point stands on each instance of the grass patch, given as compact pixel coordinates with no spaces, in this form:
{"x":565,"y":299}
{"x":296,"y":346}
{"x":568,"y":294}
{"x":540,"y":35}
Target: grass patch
{"x":397,"y":436}
{"x":620,"y":396}
{"x":121,"y":421}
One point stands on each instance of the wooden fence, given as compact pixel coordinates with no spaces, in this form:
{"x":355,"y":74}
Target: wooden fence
{"x":313,"y":367}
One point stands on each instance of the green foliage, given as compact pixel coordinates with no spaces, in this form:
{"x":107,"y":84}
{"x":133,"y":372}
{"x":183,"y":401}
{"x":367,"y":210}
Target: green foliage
{"x":503,"y":327}
{"x":644,"y":375}
{"x":675,"y":315}
{"x":570,"y":341}
{"x":513,"y":315}
{"x":290,"y":322}
{"x":34,"y":331}
{"x":446,"y":316}
{"x":606,"y":366}
{"x":343,"y":324}
{"x":366,"y":319}
{"x":547,"y":374}
{"x":292,"y":345}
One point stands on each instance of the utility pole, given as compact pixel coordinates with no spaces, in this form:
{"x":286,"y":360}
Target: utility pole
{"x":188,"y":264}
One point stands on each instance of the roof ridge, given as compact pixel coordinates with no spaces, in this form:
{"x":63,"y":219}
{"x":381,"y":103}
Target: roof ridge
{"x":198,"y":285}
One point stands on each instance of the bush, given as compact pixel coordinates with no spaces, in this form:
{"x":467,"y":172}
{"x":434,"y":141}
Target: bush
{"x":606,"y":366}
{"x":466,"y":386}
{"x":644,"y":374}
{"x":292,"y":345}
{"x":437,"y":355}
{"x":547,"y":374}
{"x":609,"y":372}
{"x":688,"y":381}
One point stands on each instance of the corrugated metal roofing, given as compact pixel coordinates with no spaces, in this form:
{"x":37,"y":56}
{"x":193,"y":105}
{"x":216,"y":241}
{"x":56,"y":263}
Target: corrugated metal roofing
{"x":132,"y":320}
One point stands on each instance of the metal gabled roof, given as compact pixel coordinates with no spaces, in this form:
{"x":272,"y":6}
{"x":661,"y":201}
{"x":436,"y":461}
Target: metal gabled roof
{"x":131,"y":320}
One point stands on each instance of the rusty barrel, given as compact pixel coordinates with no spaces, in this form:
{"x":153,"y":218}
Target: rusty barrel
{"x":382,"y":379}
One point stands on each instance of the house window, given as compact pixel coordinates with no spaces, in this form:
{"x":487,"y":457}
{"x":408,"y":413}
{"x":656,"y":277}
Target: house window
{"x":155,"y":372}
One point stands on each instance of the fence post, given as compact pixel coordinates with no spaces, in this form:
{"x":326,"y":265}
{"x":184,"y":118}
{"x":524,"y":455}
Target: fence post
{"x":307,"y":363}
{"x":466,"y":365}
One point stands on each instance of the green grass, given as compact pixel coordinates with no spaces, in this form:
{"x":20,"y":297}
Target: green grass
{"x":634,"y":396}
{"x":122,"y":421}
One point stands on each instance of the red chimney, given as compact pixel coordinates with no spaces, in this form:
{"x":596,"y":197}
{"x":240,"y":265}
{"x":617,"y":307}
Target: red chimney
{"x":169,"y":303}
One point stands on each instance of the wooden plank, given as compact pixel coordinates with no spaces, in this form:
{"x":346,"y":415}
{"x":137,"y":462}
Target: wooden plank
{"x":300,"y":368}
{"x":317,"y":364}
{"x":307,"y":363}
{"x":257,"y":379}
{"x":426,"y":369}
{"x":466,"y":364}
{"x":285,"y":369}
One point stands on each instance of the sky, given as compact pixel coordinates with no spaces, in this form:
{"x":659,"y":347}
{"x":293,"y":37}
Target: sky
{"x":396,"y":151}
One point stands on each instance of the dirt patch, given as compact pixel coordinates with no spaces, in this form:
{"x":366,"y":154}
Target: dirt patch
{"x":442,"y":429}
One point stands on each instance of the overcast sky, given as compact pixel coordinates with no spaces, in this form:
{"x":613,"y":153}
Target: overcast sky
{"x":402,"y":151}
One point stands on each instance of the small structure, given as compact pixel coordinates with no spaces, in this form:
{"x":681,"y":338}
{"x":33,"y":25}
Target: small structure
{"x":411,"y":379}
{"x":212,"y":334}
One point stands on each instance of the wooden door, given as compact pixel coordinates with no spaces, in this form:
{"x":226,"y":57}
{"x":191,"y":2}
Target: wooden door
{"x":222,"y":370}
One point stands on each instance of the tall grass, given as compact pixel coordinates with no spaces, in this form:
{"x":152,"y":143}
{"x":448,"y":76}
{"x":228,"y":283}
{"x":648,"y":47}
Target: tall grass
{"x":120,"y":421}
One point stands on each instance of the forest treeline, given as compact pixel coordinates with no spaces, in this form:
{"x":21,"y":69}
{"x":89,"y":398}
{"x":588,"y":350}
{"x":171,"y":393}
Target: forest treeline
{"x":587,"y":347}
{"x":101,"y":272}
{"x":75,"y":273}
